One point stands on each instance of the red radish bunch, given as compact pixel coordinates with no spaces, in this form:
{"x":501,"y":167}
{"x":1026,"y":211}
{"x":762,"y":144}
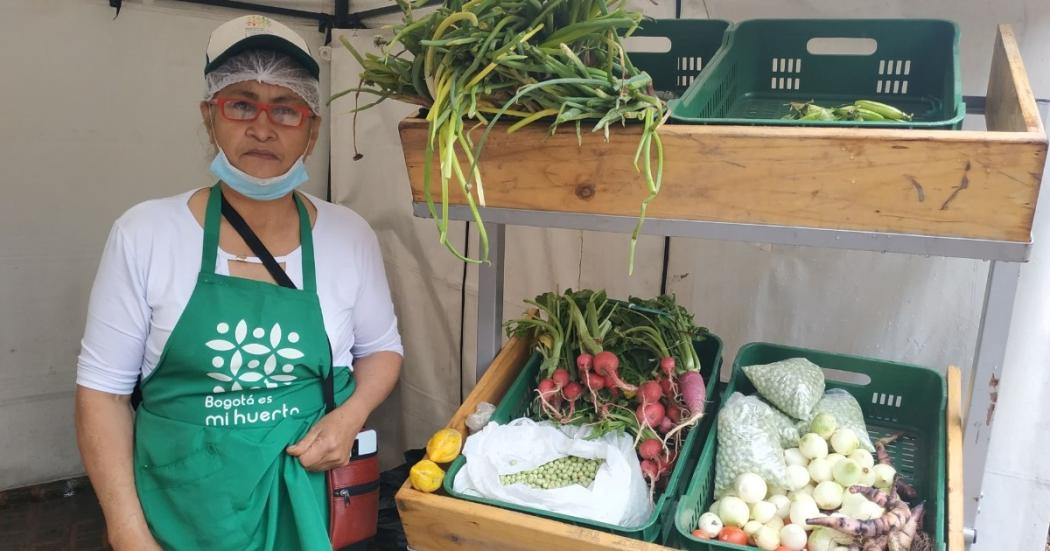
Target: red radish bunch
{"x":615,"y":366}
{"x":608,"y":365}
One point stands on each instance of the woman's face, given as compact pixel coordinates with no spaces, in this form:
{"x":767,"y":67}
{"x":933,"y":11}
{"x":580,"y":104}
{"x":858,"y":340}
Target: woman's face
{"x":260,"y":147}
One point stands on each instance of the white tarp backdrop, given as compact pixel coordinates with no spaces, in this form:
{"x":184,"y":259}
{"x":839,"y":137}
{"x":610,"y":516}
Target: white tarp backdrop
{"x":898,"y":307}
{"x":98,"y":114}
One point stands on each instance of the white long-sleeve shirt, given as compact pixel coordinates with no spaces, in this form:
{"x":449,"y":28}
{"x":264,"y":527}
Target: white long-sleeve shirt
{"x":149,"y":269}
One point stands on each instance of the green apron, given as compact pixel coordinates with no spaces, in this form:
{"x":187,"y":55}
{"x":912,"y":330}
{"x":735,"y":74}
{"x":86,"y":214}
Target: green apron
{"x":238,"y":381}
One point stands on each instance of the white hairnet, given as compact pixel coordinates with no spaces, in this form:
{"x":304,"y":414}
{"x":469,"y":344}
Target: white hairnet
{"x":268,"y":67}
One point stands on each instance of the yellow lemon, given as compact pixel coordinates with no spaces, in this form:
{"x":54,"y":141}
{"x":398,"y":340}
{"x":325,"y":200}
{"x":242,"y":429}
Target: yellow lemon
{"x":426,"y":476}
{"x":444,"y":446}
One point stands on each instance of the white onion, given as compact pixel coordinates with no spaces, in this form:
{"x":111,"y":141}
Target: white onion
{"x":820,"y":470}
{"x":858,"y":507}
{"x":823,"y":425}
{"x":834,"y":458}
{"x":733,"y":511}
{"x":793,"y":537}
{"x":851,"y":504}
{"x":802,"y":510}
{"x":828,"y":495}
{"x":883,"y":476}
{"x":763,"y":511}
{"x":822,"y":539}
{"x":813,"y":446}
{"x":867,"y":478}
{"x":767,"y":538}
{"x":798,"y":476}
{"x":863,"y":458}
{"x":751,"y":527}
{"x":847,"y":473}
{"x":710,"y":524}
{"x":783,"y":505}
{"x":844,"y":441}
{"x":714,"y":507}
{"x":776,"y":523}
{"x":750,"y":487}
{"x":870,"y":510}
{"x":792,"y":456}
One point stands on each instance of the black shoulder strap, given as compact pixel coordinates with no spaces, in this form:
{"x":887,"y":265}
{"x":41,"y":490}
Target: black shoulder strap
{"x":257,"y":247}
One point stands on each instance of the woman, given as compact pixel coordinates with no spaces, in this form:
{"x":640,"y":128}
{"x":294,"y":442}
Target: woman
{"x":230,"y":443}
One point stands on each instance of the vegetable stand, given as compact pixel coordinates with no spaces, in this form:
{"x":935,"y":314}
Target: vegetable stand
{"x":435,"y":522}
{"x":968,"y":194}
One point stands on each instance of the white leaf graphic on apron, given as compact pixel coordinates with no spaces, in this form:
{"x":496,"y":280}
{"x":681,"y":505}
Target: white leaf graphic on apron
{"x":275,"y":335}
{"x":256,"y":348}
{"x":250,"y":377}
{"x":286,"y":379}
{"x":235,"y":362}
{"x":220,"y":345}
{"x":229,"y":369}
{"x":290,"y":353}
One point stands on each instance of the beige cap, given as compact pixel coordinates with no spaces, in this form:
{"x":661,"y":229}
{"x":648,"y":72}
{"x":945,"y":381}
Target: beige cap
{"x":251,"y":32}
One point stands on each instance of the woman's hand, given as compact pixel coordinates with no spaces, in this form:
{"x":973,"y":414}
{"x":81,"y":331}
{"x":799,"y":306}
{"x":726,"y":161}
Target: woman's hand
{"x":328,"y":443}
{"x":330,"y":440}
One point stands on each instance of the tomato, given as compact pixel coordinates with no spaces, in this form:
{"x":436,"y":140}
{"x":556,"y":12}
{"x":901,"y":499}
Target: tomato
{"x":700,"y":534}
{"x":732,"y":534}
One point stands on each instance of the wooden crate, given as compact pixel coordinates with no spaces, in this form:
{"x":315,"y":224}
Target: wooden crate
{"x":435,"y":522}
{"x":928,"y":182}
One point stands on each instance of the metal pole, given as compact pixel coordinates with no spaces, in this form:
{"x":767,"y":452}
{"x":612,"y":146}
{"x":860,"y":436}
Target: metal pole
{"x":490,"y":299}
{"x":987,"y":371}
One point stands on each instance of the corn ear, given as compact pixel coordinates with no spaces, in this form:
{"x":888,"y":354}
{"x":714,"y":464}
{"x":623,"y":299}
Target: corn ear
{"x":886,"y":111}
{"x":869,"y":115}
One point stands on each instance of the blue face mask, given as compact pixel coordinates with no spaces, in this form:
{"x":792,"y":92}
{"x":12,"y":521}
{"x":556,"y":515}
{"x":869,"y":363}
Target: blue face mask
{"x":261,"y":189}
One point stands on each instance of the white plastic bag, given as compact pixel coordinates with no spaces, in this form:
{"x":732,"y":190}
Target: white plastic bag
{"x":619,"y":494}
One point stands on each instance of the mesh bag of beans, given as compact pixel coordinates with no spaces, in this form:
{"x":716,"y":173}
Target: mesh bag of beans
{"x":794,"y":385}
{"x":748,"y":442}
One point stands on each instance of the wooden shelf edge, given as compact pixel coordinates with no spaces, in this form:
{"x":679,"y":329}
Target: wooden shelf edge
{"x":1010,"y":102}
{"x":980,"y":185}
{"x":539,"y":130}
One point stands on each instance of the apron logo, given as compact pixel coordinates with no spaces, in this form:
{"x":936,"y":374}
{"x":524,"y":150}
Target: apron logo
{"x":252,"y":363}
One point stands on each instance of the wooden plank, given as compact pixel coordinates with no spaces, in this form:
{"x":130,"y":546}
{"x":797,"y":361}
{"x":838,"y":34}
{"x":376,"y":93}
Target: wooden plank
{"x":955,"y":461}
{"x":438,"y":523}
{"x":964,"y":184}
{"x":494,"y":383}
{"x":1010,"y":104}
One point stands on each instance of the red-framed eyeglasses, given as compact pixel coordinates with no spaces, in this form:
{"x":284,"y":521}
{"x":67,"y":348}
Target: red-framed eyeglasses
{"x":241,"y":109}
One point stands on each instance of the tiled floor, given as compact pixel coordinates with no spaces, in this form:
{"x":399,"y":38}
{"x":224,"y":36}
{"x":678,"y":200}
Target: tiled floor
{"x":54,"y":524}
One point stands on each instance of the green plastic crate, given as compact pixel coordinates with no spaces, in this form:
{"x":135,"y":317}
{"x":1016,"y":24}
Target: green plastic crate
{"x":694,"y":43}
{"x":767,"y":63}
{"x":894,"y":397}
{"x":660,"y":523}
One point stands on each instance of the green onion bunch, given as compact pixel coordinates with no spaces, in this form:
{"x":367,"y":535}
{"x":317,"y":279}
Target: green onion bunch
{"x":471,"y":63}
